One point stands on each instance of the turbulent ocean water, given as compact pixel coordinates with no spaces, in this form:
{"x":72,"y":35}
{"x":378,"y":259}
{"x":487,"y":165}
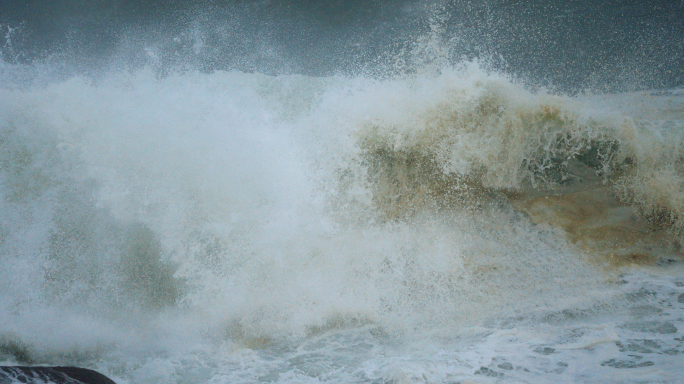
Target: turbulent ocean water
{"x":398,"y":192}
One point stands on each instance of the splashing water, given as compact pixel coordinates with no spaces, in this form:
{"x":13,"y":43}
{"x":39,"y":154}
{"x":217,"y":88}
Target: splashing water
{"x":434,"y":226}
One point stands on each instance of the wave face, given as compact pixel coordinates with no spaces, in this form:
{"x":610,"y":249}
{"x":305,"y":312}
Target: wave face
{"x":429,"y":221}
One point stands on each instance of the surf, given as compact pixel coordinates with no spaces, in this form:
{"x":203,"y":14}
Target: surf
{"x":442,"y":222}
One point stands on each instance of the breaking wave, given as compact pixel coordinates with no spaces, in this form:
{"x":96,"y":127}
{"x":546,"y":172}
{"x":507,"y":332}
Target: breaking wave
{"x":146,"y":212}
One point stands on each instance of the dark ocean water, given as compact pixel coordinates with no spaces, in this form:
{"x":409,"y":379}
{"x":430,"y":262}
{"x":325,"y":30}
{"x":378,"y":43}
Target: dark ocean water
{"x":608,"y":44}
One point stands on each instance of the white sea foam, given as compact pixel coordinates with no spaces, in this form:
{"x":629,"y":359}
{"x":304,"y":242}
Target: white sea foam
{"x":233,"y":227}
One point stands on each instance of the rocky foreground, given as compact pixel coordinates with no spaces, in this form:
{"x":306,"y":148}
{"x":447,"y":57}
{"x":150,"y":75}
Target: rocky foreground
{"x":54,"y":375}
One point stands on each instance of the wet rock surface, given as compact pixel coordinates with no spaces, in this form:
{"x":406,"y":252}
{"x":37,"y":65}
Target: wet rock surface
{"x":57,"y":375}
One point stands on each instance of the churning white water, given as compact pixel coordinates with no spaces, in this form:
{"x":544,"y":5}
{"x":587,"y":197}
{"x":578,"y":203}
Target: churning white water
{"x":234,"y":227}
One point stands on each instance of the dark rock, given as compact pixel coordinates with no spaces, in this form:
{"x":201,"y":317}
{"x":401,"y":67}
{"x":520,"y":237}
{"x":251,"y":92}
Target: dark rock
{"x":56,"y":375}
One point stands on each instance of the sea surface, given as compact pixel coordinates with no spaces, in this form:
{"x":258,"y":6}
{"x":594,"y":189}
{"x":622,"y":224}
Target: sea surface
{"x":349,"y":192}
